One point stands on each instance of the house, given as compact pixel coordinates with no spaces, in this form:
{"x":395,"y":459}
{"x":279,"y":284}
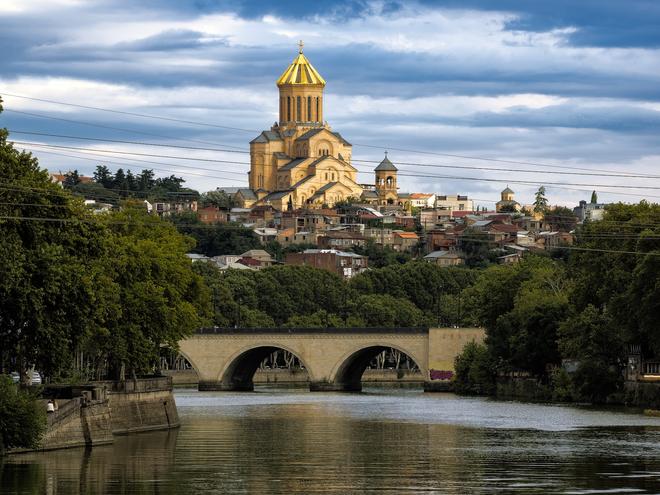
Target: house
{"x":342,"y":263}
{"x":453,"y":203}
{"x":227,"y":261}
{"x":589,"y":211}
{"x":212,"y":214}
{"x":508,"y":259}
{"x":380,"y":236}
{"x":340,"y":239}
{"x":421,"y":200}
{"x":404,"y":241}
{"x":289,"y":236}
{"x":256,"y":259}
{"x":441,"y":239}
{"x":165,"y":209}
{"x":194,"y":257}
{"x":265,"y":234}
{"x":444,"y":258}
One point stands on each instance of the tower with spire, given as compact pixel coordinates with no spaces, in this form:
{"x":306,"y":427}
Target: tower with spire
{"x":300,"y":161}
{"x":386,"y":186}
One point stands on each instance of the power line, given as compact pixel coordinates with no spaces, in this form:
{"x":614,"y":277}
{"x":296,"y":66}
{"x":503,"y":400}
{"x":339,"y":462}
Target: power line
{"x":466,"y":157}
{"x":135,"y":114}
{"x":448,"y":177}
{"x":400,"y":163}
{"x":123,"y":164}
{"x":114,"y":128}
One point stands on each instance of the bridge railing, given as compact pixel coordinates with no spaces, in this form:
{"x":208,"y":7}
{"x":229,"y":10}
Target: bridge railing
{"x":282,"y":330}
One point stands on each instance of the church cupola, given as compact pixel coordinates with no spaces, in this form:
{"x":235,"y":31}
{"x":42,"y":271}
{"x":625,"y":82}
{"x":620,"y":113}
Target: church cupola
{"x":386,"y":181}
{"x":301,"y":93}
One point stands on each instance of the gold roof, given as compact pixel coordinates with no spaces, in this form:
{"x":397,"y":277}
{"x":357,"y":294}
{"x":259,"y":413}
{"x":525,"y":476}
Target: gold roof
{"x":300,"y":72}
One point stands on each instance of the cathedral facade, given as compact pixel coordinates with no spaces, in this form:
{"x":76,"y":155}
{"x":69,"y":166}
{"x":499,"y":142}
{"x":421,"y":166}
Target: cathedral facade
{"x":301,"y":162}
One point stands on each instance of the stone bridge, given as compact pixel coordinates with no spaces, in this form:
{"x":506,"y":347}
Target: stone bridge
{"x":335,"y":359}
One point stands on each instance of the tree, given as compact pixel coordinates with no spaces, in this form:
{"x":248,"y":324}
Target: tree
{"x":560,"y":219}
{"x":589,"y":338}
{"x":49,"y":280}
{"x":22,"y":418}
{"x":120,"y":183}
{"x":540,"y":201}
{"x":216,"y":239}
{"x":475,"y":370}
{"x":476,"y":246}
{"x":103,"y":176}
{"x":146,"y":180}
{"x":594,"y":197}
{"x":159,"y":299}
{"x":72,"y":179}
{"x":219,"y":199}
{"x":508,"y":208}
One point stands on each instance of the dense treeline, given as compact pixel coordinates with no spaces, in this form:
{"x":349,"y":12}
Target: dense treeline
{"x":111,"y":187}
{"x":414,"y":294}
{"x":584,"y":312}
{"x":102,"y":292}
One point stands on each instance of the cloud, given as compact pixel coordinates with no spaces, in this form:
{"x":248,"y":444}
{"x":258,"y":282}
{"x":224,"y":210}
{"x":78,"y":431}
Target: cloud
{"x":574,"y":83}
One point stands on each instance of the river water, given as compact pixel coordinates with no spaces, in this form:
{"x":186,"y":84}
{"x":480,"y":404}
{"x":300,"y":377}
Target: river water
{"x":384,"y":441}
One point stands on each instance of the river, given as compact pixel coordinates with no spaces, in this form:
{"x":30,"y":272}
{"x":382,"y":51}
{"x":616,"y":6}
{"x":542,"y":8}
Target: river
{"x":385,"y":441}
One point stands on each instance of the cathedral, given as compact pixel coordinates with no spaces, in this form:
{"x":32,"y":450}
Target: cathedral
{"x":301,"y":162}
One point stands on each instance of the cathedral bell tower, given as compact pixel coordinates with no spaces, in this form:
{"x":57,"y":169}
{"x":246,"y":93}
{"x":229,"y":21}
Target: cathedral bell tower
{"x":301,"y":93}
{"x":386,"y":182}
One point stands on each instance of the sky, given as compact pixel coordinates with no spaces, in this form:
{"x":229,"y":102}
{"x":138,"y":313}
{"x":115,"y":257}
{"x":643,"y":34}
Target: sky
{"x":466,"y":96}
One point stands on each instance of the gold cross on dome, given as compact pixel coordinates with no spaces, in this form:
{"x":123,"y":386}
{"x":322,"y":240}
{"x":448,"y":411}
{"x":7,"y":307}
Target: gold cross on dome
{"x":300,"y":46}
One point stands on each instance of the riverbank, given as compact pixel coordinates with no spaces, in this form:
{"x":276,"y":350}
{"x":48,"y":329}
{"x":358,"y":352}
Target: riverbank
{"x":94,"y":413}
{"x":636,"y":394}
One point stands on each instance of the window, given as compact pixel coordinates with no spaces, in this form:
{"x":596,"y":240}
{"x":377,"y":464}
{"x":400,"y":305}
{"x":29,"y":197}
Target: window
{"x":309,"y":109}
{"x":298,"y":117}
{"x":317,"y":109}
{"x":288,"y":108}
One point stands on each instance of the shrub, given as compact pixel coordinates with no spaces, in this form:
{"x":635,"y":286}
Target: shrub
{"x":22,"y":419}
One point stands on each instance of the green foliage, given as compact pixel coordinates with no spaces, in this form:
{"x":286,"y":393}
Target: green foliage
{"x":589,"y":338}
{"x":112,"y":287}
{"x":475,"y":370}
{"x":508,"y":208}
{"x":380,"y":257}
{"x":560,"y":219}
{"x":521,"y":307}
{"x":216,"y":239}
{"x":219,"y":199}
{"x":22,"y":417}
{"x":143,"y":185}
{"x":476,"y":245}
{"x":540,"y":201}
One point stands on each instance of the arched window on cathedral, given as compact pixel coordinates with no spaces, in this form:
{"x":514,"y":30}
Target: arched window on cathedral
{"x":288,"y":109}
{"x":309,"y":109}
{"x":317,"y":109}
{"x":298,"y":117}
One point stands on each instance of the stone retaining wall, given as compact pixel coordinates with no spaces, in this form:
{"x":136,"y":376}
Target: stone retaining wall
{"x":103,"y":409}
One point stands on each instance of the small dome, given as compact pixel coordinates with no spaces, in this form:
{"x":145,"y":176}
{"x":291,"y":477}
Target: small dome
{"x":386,"y":165}
{"x":507,"y":191}
{"x":300,"y":72}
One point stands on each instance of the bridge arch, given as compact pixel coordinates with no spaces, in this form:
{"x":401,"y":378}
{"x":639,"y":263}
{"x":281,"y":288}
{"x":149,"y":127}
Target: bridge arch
{"x":348,"y":371}
{"x":239,"y":370}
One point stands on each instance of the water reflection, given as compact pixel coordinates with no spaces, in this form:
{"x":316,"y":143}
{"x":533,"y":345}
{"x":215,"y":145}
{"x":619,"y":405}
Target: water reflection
{"x":295,"y":442}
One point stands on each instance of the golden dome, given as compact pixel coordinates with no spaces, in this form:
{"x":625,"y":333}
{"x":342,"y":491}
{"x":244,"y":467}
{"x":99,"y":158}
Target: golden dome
{"x":300,"y":72}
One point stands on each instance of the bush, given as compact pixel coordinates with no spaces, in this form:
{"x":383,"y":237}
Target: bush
{"x":22,"y":419}
{"x":475,"y":371}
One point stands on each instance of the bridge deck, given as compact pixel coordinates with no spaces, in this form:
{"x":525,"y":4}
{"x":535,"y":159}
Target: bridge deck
{"x":317,"y":331}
